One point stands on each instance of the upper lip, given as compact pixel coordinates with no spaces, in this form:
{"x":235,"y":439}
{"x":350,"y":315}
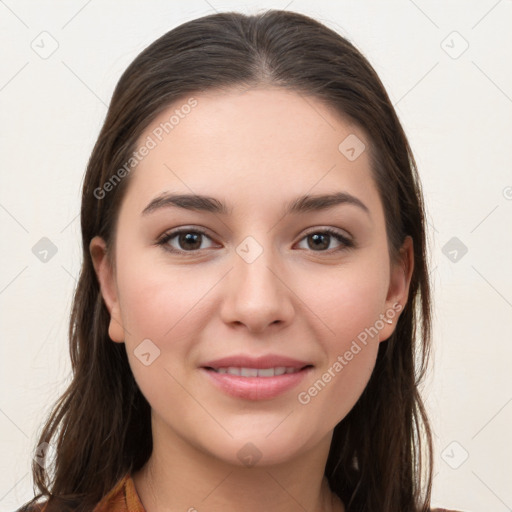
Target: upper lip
{"x":244,"y":361}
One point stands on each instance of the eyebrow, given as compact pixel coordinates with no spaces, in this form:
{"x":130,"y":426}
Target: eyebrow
{"x":302,"y":204}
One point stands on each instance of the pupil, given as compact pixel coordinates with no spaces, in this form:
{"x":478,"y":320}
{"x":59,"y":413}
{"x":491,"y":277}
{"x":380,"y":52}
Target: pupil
{"x":188,"y":238}
{"x":318,"y":237}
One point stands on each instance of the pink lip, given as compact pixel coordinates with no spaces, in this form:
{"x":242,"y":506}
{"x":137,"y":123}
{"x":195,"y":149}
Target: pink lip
{"x":256,"y":388}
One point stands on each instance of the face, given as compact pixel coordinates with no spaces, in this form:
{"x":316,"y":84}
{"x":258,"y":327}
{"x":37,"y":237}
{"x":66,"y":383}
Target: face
{"x":306,"y":289}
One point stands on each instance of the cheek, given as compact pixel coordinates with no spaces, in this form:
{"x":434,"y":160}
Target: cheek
{"x":166,"y":307}
{"x":346,"y":300}
{"x":351,"y":351}
{"x":334,"y":391}
{"x":350,"y":325}
{"x":159,"y":312}
{"x":157,"y":301}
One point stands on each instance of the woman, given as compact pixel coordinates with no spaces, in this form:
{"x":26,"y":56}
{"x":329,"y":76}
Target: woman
{"x":271,"y":364}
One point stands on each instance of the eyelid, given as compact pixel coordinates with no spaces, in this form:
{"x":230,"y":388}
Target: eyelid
{"x":331,"y":230}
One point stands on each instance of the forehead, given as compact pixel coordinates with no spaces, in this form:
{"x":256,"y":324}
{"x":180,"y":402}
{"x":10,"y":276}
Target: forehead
{"x":263,"y":142}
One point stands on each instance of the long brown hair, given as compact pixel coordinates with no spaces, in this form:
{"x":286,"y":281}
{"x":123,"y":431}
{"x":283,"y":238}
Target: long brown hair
{"x":381,"y":453}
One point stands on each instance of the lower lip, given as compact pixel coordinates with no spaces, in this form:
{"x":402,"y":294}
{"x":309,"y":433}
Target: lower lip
{"x":256,"y":388}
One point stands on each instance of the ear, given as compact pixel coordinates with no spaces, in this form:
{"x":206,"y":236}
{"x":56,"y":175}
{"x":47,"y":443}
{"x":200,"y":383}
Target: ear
{"x":398,"y":291}
{"x":109,"y":292}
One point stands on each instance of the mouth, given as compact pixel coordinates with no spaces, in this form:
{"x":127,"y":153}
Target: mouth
{"x":256,"y":378}
{"x":257,"y":372}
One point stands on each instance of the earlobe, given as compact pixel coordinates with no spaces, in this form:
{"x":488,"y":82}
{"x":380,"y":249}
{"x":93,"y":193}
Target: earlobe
{"x":106,"y":280}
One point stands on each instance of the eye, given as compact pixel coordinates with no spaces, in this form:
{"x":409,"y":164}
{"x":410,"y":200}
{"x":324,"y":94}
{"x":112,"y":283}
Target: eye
{"x":321,"y":239}
{"x":187,"y":239}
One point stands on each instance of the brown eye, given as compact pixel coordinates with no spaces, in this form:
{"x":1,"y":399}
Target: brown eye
{"x":185,"y":240}
{"x":189,"y":240}
{"x":319,"y":241}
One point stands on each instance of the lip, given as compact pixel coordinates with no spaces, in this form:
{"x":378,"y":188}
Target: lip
{"x":256,"y":388}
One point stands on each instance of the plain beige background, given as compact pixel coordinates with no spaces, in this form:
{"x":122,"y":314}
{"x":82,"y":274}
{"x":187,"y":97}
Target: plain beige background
{"x":446,"y":68}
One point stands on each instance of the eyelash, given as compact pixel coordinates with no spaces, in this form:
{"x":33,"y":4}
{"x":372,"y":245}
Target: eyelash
{"x":166,"y":237}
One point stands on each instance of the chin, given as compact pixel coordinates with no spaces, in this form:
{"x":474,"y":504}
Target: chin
{"x":262,"y":449}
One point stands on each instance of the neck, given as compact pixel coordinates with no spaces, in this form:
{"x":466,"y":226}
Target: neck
{"x":178,"y":476}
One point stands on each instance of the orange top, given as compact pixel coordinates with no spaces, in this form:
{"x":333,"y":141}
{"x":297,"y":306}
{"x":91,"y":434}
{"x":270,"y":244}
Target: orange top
{"x":123,"y":497}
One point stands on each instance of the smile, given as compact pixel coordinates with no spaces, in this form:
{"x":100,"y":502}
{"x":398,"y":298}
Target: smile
{"x":255,"y":383}
{"x":256,"y":372}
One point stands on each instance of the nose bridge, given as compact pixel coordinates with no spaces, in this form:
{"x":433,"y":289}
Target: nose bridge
{"x":257,"y":296}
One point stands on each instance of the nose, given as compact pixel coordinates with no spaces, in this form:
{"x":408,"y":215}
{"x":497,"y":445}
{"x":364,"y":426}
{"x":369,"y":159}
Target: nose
{"x":257,"y":294}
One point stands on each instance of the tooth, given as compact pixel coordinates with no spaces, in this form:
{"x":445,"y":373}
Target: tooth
{"x":248,"y":372}
{"x":257,"y":372}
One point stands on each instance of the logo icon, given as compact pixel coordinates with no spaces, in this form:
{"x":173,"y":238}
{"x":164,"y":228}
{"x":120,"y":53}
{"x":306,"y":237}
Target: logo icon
{"x":249,"y":249}
{"x":454,"y":45}
{"x":146,"y":352}
{"x":44,"y":249}
{"x":455,"y":455}
{"x":45,"y":45}
{"x":249,"y":455}
{"x":454,"y":249}
{"x":351,"y":147}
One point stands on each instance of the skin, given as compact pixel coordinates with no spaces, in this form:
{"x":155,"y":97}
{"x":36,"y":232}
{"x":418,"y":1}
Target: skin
{"x":255,"y":150}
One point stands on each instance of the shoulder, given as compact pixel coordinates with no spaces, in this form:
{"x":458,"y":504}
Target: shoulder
{"x":122,"y":497}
